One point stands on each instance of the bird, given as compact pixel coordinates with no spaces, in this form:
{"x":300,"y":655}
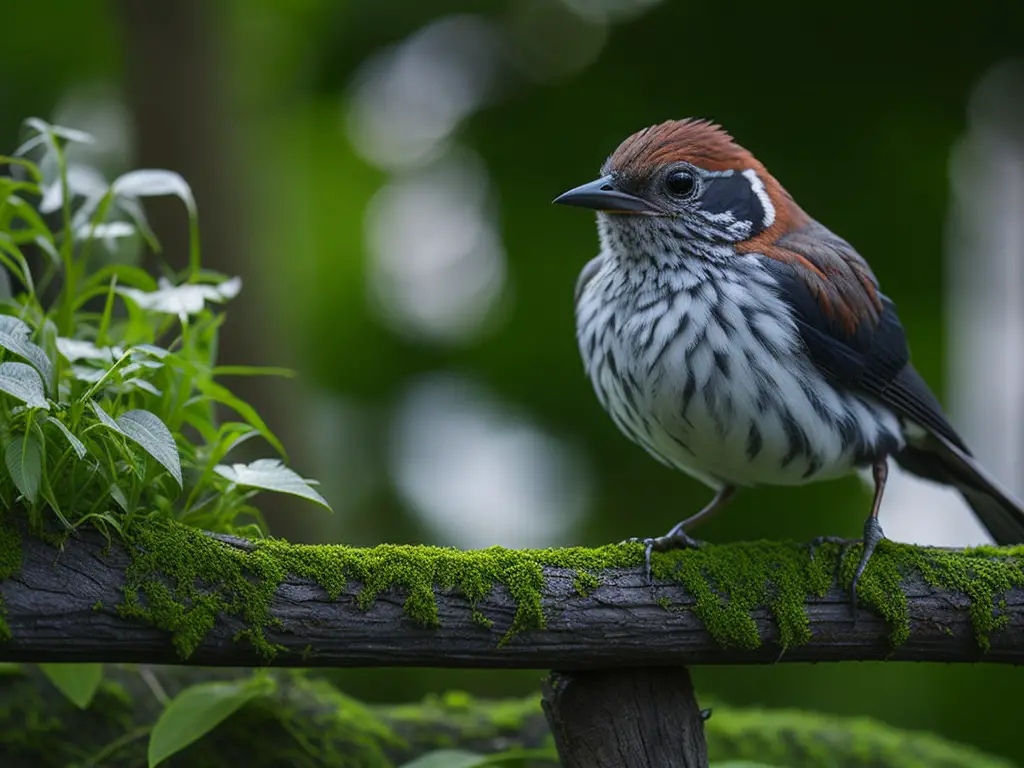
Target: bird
{"x":739,"y":340}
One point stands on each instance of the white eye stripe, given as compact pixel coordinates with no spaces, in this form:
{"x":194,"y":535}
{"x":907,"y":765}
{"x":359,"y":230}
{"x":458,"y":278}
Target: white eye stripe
{"x":762,"y":194}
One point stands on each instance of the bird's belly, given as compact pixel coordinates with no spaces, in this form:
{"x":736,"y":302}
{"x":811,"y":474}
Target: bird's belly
{"x":731,"y":432}
{"x":721,"y":408}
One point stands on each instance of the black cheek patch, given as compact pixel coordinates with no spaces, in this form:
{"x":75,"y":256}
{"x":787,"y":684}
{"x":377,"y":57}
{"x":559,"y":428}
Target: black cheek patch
{"x":733,"y":194}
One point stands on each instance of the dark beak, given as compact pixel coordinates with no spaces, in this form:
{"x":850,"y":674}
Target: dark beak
{"x":601,"y":195}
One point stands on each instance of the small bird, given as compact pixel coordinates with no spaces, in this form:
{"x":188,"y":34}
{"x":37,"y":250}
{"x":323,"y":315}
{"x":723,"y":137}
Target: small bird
{"x":737,"y":339}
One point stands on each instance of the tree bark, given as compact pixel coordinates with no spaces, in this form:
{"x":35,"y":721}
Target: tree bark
{"x":65,"y":605}
{"x":626,"y":718}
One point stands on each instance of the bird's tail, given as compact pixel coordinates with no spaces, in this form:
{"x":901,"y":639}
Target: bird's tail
{"x":935,"y":458}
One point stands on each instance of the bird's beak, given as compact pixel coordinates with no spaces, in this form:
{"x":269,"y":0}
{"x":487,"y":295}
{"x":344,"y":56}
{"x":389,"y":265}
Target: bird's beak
{"x":601,"y":195}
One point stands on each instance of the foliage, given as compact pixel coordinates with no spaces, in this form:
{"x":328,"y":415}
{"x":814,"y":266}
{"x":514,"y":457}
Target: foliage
{"x":108,"y":379}
{"x":303,"y":721}
{"x":78,"y":682}
{"x":198,"y":710}
{"x":108,"y":386}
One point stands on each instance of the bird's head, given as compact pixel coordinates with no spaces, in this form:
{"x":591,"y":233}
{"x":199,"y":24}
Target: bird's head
{"x":687,"y":180}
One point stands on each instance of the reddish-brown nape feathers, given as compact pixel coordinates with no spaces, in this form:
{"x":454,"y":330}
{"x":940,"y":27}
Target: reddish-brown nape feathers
{"x":842,"y":286}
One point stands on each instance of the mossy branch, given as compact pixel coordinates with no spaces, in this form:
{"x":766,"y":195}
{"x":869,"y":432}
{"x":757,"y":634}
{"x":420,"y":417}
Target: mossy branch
{"x":175,"y":594}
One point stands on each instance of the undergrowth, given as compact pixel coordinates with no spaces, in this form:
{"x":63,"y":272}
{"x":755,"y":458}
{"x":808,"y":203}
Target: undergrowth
{"x":108,"y":377}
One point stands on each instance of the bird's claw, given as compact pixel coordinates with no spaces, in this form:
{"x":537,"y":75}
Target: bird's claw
{"x":674,"y":539}
{"x":873,"y":534}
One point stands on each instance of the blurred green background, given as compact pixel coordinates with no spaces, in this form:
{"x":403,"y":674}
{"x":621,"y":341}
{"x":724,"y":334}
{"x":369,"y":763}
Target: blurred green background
{"x":380,"y":174}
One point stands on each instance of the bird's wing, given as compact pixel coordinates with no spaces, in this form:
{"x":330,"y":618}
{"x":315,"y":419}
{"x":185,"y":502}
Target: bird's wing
{"x":850,"y":329}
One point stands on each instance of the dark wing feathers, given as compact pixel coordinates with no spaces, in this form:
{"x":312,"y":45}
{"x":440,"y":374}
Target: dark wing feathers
{"x":851,"y":330}
{"x":853,"y":334}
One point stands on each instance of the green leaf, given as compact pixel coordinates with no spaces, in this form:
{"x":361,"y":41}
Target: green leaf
{"x":77,"y":444}
{"x":143,"y":385}
{"x":136,"y":277}
{"x":447,"y":758}
{"x":224,"y":396}
{"x":270,"y":475}
{"x":152,"y":434}
{"x":78,"y":682}
{"x":22,"y":381}
{"x":14,"y":326}
{"x":22,"y":347}
{"x":199,"y":709}
{"x":24,"y":458}
{"x":105,"y":417}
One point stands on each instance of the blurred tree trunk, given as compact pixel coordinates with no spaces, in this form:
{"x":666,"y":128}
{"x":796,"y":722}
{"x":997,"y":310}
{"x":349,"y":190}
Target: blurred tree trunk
{"x":178,"y":84}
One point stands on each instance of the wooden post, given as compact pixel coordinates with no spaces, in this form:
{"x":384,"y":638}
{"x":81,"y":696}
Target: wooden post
{"x":644,"y":717}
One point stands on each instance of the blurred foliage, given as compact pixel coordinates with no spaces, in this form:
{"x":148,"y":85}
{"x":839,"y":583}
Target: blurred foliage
{"x":274,"y":718}
{"x":854,"y":109}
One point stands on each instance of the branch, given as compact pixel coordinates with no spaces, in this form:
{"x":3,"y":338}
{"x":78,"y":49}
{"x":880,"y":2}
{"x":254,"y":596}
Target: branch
{"x":176,"y":594}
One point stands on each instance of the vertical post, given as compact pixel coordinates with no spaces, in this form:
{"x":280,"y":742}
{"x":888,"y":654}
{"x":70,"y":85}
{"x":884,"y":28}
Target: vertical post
{"x":626,"y":718}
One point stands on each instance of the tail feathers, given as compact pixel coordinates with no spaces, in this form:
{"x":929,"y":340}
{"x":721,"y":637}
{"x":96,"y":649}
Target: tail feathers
{"x":935,"y":458}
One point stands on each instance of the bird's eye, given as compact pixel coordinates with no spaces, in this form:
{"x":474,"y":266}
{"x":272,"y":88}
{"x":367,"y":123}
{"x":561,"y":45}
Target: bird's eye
{"x":681,"y":184}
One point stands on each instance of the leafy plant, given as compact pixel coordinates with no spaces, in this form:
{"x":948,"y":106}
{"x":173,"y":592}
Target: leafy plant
{"x":199,"y":709}
{"x":108,"y":377}
{"x":78,"y":682}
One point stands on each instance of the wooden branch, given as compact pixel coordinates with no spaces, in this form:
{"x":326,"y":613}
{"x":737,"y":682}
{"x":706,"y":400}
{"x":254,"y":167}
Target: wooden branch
{"x":626,"y":718}
{"x":64,"y":605}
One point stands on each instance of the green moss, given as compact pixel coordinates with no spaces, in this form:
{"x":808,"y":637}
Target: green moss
{"x":10,"y":564}
{"x":98,"y":605}
{"x":181,"y":580}
{"x":585,"y":583}
{"x":729,"y":582}
{"x":983,"y":574}
{"x":482,"y":620}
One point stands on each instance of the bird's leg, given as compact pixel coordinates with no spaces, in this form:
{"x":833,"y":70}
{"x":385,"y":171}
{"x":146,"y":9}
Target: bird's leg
{"x":677,"y":538}
{"x":872,"y":529}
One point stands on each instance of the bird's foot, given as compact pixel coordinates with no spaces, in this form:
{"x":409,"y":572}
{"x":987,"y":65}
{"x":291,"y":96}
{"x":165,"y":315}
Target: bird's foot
{"x":674,"y":539}
{"x":873,"y":534}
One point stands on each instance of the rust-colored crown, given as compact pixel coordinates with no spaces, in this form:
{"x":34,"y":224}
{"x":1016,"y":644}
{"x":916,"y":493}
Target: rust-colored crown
{"x":694,"y":141}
